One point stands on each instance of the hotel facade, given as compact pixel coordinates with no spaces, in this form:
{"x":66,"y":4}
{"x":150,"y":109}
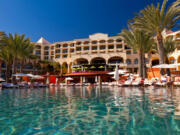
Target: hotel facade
{"x":98,"y":50}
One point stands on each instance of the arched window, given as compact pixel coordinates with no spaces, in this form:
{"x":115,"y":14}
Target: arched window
{"x":136,"y":61}
{"x":128,"y":61}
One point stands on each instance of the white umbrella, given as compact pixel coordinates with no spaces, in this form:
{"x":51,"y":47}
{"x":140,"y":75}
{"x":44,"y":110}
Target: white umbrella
{"x":19,"y":74}
{"x":116,"y":73}
{"x":38,"y":77}
{"x":69,"y":79}
{"x":120,"y":72}
{"x":30,"y":75}
{"x":164,"y":66}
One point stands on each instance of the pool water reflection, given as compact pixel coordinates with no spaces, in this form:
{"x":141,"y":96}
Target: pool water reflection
{"x":95,"y":110}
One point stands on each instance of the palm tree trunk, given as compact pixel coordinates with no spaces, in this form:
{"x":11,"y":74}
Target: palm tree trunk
{"x":160,"y":48}
{"x":22,"y":66}
{"x":14,"y":65}
{"x":144,"y":66}
{"x":0,"y":67}
{"x":140,"y":65}
{"x":168,"y":70}
{"x":7,"y":72}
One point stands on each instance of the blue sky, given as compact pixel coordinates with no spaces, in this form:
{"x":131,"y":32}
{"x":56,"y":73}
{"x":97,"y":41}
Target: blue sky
{"x":61,"y":20}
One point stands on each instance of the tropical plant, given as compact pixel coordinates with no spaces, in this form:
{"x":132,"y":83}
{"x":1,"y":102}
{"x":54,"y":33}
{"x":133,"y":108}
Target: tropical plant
{"x":140,"y":42}
{"x":25,"y":52}
{"x":7,"y":57}
{"x":19,"y":46}
{"x":155,"y":19}
{"x":2,"y":35}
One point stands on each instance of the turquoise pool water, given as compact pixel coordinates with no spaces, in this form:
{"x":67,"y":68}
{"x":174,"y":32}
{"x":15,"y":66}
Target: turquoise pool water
{"x":90,"y":111}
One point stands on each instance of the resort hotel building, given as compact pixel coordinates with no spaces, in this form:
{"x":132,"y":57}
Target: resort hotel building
{"x":98,"y":52}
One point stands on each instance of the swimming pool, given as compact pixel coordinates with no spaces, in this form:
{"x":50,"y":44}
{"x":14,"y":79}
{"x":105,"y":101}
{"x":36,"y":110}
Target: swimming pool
{"x":95,"y":111}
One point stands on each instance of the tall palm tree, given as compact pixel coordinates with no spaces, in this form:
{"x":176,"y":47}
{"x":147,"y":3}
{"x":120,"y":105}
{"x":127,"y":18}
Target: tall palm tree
{"x":2,"y":35}
{"x":25,"y":52}
{"x":155,"y":19}
{"x":170,"y":46}
{"x":7,"y":57}
{"x":140,"y":42}
{"x":15,"y":44}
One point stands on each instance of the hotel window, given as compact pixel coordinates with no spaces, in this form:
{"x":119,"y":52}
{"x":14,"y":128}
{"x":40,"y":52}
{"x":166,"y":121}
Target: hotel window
{"x":58,"y":46}
{"x":102,"y":41}
{"x":46,"y":57}
{"x":94,"y":48}
{"x":52,"y":47}
{"x":64,"y":56}
{"x":128,"y":61}
{"x":118,"y":40}
{"x":38,"y":47}
{"x":72,"y":50}
{"x":102,"y":47}
{"x":86,"y":42}
{"x":86,"y":48}
{"x":119,"y":46}
{"x":94,"y":42}
{"x":57,"y":56}
{"x":127,"y":47}
{"x":46,"y":53}
{"x":128,"y":52}
{"x":78,"y":49}
{"x":65,"y":51}
{"x":58,"y":51}
{"x":65,"y":45}
{"x":38,"y":52}
{"x":110,"y":41}
{"x":111,"y":47}
{"x":46,"y":48}
{"x":78,"y":43}
{"x":136,"y":61}
{"x":52,"y":53}
{"x":72,"y":45}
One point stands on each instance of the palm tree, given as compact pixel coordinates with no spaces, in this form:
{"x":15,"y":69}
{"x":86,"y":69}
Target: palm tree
{"x":25,"y":52}
{"x":2,"y":35}
{"x":7,"y":57}
{"x":140,"y":42}
{"x":155,"y":19}
{"x":170,"y":46}
{"x":15,"y":44}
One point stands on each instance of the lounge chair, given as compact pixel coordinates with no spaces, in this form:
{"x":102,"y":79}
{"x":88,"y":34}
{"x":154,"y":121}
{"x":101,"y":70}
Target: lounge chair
{"x":128,"y":83}
{"x":137,"y":82}
{"x":147,"y":82}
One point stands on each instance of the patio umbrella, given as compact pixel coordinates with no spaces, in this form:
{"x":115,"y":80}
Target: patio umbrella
{"x":19,"y":74}
{"x":116,"y":73}
{"x":165,"y":66}
{"x":92,"y":67}
{"x":38,"y":77}
{"x":69,"y":79}
{"x":30,"y":75}
{"x":85,"y":67}
{"x":101,"y":67}
{"x":120,"y":72}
